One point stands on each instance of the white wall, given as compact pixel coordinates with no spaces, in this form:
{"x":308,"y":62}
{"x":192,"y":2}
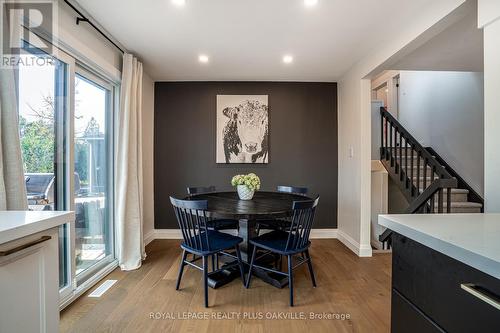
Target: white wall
{"x":354,"y":124}
{"x":147,"y":154}
{"x":489,"y":19}
{"x":83,"y":42}
{"x":444,"y":110}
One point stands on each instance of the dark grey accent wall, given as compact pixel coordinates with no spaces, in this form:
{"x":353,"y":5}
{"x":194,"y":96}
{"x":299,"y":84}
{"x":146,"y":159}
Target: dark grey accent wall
{"x":303,"y":141}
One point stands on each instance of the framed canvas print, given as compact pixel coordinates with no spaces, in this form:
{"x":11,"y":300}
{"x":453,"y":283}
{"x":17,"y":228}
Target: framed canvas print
{"x":242,"y":129}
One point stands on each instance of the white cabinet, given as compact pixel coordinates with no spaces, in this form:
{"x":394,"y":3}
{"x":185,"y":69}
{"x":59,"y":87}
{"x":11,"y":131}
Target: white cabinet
{"x":29,"y":270}
{"x":29,"y":283}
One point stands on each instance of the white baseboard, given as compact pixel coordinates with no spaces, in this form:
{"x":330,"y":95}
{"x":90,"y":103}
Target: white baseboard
{"x":324,"y":233}
{"x":176,"y":234}
{"x":149,"y":237}
{"x":353,"y":245}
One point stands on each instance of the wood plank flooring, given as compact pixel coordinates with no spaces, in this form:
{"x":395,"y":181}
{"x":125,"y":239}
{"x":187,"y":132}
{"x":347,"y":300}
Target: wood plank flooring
{"x":347,"y":285}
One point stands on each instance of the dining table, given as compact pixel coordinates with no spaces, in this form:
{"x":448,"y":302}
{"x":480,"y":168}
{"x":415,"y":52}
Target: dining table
{"x":264,"y":206}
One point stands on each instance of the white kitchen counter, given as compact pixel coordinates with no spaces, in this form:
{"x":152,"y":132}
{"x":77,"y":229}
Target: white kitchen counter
{"x":473,"y":239}
{"x":18,"y":224}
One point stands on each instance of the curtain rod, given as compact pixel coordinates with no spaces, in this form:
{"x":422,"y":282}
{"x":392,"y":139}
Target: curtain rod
{"x":83,"y":18}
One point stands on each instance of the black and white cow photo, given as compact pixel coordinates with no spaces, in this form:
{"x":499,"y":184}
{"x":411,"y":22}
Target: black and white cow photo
{"x":242,"y":129}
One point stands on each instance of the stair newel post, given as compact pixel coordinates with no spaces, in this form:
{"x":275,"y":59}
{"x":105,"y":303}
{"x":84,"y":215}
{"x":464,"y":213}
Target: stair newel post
{"x":440,"y":201}
{"x":391,"y":152}
{"x":384,"y":134}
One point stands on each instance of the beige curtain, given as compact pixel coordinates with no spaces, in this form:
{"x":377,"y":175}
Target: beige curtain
{"x":12,"y":185}
{"x":128,"y":164}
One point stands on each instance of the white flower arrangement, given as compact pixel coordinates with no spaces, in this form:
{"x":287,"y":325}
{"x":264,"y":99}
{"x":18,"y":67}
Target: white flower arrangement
{"x":252,"y":181}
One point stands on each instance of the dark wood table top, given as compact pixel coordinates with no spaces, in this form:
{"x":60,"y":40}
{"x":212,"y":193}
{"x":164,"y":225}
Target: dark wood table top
{"x":263,"y":205}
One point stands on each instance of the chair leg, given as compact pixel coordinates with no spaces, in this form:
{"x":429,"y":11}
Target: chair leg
{"x":290,"y":278}
{"x":205,"y":279}
{"x":240,"y":263}
{"x":217,"y":261}
{"x":213,"y":262}
{"x":309,"y":264}
{"x":257,"y":229}
{"x":181,"y":269}
{"x":251,"y":266}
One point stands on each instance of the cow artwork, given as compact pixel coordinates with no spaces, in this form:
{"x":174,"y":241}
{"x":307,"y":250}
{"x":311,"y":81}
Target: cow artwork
{"x":242,"y":129}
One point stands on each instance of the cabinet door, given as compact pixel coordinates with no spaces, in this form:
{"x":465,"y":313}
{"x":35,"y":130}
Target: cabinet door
{"x":433,"y":282}
{"x":29,"y":285}
{"x":406,"y":318}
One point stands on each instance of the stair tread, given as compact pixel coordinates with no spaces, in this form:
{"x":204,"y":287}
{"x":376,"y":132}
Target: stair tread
{"x":453,"y":191}
{"x":461,"y":204}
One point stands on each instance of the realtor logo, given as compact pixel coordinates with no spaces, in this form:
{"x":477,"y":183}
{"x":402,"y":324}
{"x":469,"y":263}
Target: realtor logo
{"x":23,"y":24}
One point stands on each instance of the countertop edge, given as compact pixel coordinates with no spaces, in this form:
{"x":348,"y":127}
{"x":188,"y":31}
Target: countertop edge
{"x":33,"y":228}
{"x":475,"y":260}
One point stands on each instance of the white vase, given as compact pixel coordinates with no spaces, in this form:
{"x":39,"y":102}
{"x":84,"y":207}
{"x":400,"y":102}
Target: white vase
{"x":244,"y":192}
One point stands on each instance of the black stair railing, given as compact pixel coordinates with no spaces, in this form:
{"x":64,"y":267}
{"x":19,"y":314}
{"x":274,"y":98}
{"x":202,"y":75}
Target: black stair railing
{"x":422,"y":179}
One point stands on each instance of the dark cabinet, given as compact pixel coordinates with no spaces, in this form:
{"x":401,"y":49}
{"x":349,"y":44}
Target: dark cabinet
{"x":451,"y":295}
{"x":407,"y":318}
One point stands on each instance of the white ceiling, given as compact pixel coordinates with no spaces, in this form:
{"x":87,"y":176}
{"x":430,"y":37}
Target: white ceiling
{"x":246,"y":39}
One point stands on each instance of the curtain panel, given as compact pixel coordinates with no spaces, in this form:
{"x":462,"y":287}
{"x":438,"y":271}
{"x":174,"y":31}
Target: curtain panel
{"x":12,"y":184}
{"x":128,"y":168}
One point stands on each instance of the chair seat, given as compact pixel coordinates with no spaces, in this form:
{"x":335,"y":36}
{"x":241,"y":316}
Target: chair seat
{"x":276,"y":241}
{"x":223,"y":224}
{"x":218,"y":241}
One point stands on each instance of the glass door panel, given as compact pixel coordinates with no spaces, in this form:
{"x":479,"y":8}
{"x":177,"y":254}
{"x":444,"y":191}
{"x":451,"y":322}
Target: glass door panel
{"x":42,"y":105}
{"x":92,"y":175}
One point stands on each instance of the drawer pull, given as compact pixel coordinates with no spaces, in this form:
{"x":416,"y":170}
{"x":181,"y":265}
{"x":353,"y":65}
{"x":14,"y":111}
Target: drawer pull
{"x":24,"y":246}
{"x":482,"y":294}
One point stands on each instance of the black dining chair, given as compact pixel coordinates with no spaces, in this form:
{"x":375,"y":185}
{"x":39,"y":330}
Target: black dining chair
{"x":215,"y":224}
{"x":281,"y":223}
{"x":289,"y":243}
{"x":199,"y":240}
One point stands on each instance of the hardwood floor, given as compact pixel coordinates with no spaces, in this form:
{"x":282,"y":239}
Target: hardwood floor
{"x":347,"y":285}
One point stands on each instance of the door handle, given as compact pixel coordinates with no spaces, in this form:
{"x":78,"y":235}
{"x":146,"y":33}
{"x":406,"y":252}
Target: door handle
{"x":482,"y":294}
{"x":24,"y":246}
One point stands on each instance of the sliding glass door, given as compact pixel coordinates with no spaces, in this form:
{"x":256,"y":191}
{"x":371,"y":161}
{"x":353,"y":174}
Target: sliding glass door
{"x":66,"y":133}
{"x":93,"y":173}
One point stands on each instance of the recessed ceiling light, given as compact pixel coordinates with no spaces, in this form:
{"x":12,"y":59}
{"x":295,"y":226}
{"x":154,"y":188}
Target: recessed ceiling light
{"x":179,"y":2}
{"x":203,"y":58}
{"x":287,"y":59}
{"x":310,"y":3}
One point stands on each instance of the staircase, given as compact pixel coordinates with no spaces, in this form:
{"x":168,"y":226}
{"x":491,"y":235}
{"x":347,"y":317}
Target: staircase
{"x":429,"y":184}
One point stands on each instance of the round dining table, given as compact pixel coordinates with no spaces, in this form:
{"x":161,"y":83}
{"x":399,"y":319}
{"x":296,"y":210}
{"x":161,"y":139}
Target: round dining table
{"x":263,"y":206}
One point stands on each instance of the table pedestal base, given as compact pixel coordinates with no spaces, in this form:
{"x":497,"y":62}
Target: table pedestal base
{"x":227,"y":274}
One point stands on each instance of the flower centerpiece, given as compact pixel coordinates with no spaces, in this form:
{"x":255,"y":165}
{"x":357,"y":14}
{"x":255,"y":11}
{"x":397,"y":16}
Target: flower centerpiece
{"x":246,"y":185}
